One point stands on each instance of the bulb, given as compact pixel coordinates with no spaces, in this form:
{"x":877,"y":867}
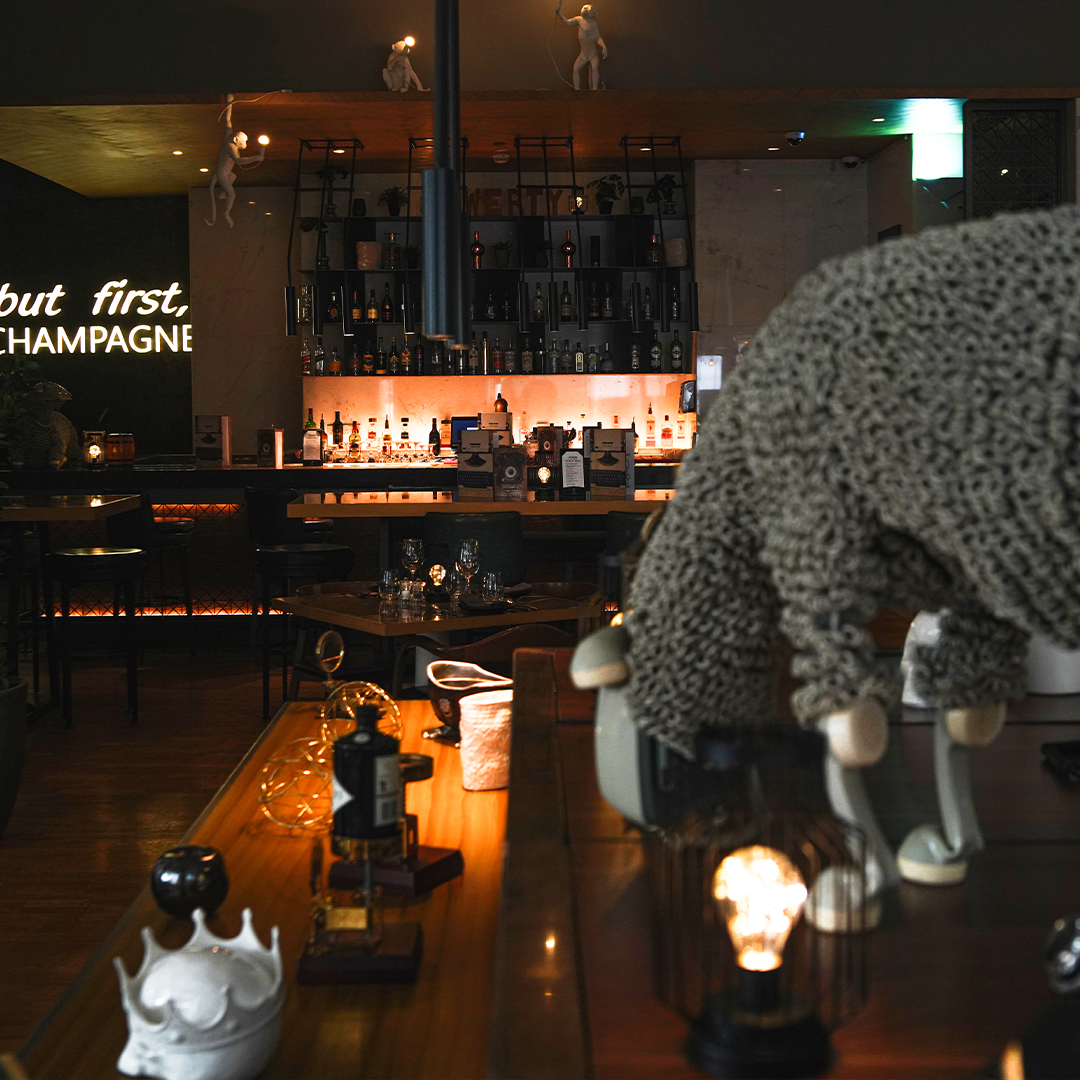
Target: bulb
{"x":437,"y":574}
{"x":264,"y":140}
{"x":410,"y":41}
{"x":761,"y":894}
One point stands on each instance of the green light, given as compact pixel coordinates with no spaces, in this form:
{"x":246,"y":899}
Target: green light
{"x":935,"y":154}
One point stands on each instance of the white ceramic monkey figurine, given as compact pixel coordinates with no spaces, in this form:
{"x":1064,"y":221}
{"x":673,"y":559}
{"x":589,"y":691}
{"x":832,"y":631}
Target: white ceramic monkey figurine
{"x":229,"y":156}
{"x":588,"y":38}
{"x":398,"y":73}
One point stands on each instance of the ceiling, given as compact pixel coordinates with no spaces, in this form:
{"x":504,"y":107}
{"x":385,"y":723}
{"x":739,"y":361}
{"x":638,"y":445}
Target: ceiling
{"x":123,"y":149}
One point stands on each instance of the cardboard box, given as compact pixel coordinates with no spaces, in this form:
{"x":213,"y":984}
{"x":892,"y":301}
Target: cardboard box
{"x":509,"y":475}
{"x":475,"y":470}
{"x":270,"y":448}
{"x":501,"y":438}
{"x":213,"y":442}
{"x":497,"y":421}
{"x":611,"y":464}
{"x":475,"y":441}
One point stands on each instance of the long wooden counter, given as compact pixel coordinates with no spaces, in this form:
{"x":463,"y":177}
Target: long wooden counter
{"x":438,"y":1028}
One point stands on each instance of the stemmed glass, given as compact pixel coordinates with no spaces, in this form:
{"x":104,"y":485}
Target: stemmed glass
{"x":468,"y":560}
{"x":412,"y":555}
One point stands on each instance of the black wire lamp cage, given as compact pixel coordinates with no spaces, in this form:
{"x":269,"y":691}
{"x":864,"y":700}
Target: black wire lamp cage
{"x":760,"y":908}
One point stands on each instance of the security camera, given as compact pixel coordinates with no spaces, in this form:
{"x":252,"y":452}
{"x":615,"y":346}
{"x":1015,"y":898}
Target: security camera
{"x":794,"y":137}
{"x":851,"y":162}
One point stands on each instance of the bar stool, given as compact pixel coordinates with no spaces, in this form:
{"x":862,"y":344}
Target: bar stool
{"x":623,"y":530}
{"x":124,"y":567}
{"x":30,"y":572}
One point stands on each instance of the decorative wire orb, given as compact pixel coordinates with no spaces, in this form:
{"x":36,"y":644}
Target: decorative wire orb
{"x":339,"y":710}
{"x":295,"y":786}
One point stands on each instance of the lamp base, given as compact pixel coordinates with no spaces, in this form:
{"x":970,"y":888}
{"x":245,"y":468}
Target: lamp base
{"x":726,"y":1040}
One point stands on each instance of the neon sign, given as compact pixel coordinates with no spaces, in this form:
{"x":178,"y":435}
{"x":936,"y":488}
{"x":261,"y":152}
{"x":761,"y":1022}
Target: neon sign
{"x":112,"y":299}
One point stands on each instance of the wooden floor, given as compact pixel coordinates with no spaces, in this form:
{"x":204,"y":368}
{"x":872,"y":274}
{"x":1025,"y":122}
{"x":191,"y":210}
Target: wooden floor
{"x":100,"y":801}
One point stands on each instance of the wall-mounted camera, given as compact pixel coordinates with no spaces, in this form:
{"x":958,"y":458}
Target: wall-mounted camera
{"x":794,"y":137}
{"x":851,"y":162}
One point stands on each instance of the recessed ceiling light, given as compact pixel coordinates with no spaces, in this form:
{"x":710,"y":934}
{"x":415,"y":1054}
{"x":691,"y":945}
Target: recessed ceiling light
{"x":774,"y":147}
{"x":878,"y":120}
{"x":178,"y":152}
{"x":204,"y":170}
{"x":779,"y":189}
{"x":645,"y":149}
{"x":1004,"y":171}
{"x":267,"y":213}
{"x":338,"y":150}
{"x":251,"y":202}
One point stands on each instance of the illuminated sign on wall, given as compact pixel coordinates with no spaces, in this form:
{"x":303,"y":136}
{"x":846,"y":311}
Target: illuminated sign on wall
{"x":114,"y":298}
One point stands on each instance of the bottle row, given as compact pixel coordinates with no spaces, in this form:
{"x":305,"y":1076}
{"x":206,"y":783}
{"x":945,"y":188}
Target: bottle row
{"x":653,"y":254}
{"x":486,"y":358}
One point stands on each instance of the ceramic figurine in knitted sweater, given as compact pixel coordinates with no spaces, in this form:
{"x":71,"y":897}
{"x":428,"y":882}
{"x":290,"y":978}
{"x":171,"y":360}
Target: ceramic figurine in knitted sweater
{"x":904,"y":430}
{"x":44,"y":437}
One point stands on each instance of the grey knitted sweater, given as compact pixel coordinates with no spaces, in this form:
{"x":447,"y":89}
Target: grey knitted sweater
{"x":903,"y":430}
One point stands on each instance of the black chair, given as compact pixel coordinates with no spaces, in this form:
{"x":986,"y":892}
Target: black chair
{"x":502,"y":550}
{"x":623,"y":530}
{"x":282,"y":558}
{"x":139,"y":528}
{"x":269,"y":523}
{"x":124,"y":567}
{"x":29,"y":562}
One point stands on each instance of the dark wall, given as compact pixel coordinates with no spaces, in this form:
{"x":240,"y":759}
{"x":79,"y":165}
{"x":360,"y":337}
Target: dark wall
{"x":71,"y":47}
{"x":54,"y":237}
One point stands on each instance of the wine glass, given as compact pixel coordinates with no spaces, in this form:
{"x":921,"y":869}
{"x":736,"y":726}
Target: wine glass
{"x":468,"y":560}
{"x":412,"y":554}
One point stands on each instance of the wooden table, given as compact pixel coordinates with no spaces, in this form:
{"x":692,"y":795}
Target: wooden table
{"x":388,"y":504}
{"x":438,"y":1028}
{"x":42,"y":508}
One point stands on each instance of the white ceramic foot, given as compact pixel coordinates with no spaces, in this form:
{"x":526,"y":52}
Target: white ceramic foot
{"x":925,"y":858}
{"x":840,"y":902}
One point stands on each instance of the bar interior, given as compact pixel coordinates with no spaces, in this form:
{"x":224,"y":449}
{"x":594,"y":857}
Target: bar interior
{"x":539,"y":542}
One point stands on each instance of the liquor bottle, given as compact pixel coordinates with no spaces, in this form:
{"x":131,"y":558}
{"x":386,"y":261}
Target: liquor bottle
{"x":609,"y":304}
{"x":305,"y":359}
{"x":579,"y":359}
{"x":436,"y":358}
{"x":387,"y":305}
{"x":354,"y":438}
{"x":354,"y":360}
{"x":497,"y":357}
{"x":333,"y":308}
{"x":372,"y":432}
{"x":656,"y":354}
{"x":592,"y":361}
{"x":318,"y":360}
{"x":394,"y":361}
{"x":485,"y":355}
{"x":646,"y":305}
{"x":322,"y":434}
{"x":654,"y":253}
{"x":335,"y":362}
{"x":387,"y":439}
{"x":304,"y":313}
{"x":526,"y":358}
{"x":404,"y":442}
{"x":380,"y":360}
{"x":568,"y":249}
{"x":406,"y":357}
{"x":676,"y":304}
{"x":594,"y":301}
{"x":309,"y":423}
{"x":369,"y":360}
{"x":566,"y":303}
{"x":434,"y":440}
{"x":539,"y":305}
{"x":566,"y":359}
{"x":650,"y":427}
{"x":474,"y":357}
{"x":477,"y":251}
{"x":508,"y":307}
{"x":551,"y":360}
{"x":372,"y":308}
{"x":500,"y":403}
{"x":489,"y":308}
{"x":635,"y":356}
{"x":676,"y":353}
{"x":510,"y":358}
{"x":418,"y":356}
{"x":665,"y":433}
{"x":356,"y":314}
{"x":680,"y":429}
{"x":337,"y":428}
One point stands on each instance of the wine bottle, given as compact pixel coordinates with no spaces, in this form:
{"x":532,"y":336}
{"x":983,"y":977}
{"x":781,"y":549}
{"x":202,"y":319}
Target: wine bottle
{"x":406,"y":357}
{"x":553,"y":357}
{"x":477,"y":251}
{"x":594,"y":301}
{"x":318,"y":360}
{"x":322,"y":434}
{"x":474,"y":357}
{"x":607,"y":363}
{"x":497,"y":358}
{"x":646,"y":305}
{"x":380,"y":360}
{"x":354,"y":360}
{"x":592,"y":361}
{"x":489,"y":308}
{"x":356,"y":314}
{"x":372,"y":308}
{"x":434,"y":440}
{"x":369,"y":360}
{"x":387,"y":305}
{"x":676,"y":353}
{"x":676,"y":303}
{"x":337,"y":428}
{"x":394,"y":361}
{"x":654,"y":253}
{"x":309,"y":423}
{"x":485,"y":355}
{"x":539,"y":305}
{"x":566,"y":304}
{"x":335,"y":362}
{"x":568,"y":249}
{"x":526,"y":358}
{"x":436,"y":358}
{"x":609,"y":304}
{"x":635,"y":356}
{"x":510,"y":359}
{"x":305,"y":359}
{"x":656,"y":354}
{"x":566,"y":363}
{"x":418,"y":356}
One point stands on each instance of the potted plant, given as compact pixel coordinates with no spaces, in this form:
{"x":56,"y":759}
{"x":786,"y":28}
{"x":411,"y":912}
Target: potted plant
{"x":502,"y":253}
{"x":12,"y":742}
{"x":394,"y":198}
{"x":18,"y":374}
{"x":663,"y":191}
{"x":608,"y":189}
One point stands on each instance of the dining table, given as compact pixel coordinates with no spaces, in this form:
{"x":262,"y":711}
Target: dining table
{"x":41,"y":509}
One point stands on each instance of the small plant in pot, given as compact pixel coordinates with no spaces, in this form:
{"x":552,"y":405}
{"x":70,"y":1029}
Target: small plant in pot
{"x":663,"y":191}
{"x":394,"y":198}
{"x":608,"y":189}
{"x":502,"y":253}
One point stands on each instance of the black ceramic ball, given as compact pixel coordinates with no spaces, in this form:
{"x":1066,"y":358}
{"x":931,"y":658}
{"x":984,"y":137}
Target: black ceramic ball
{"x":189,"y":877}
